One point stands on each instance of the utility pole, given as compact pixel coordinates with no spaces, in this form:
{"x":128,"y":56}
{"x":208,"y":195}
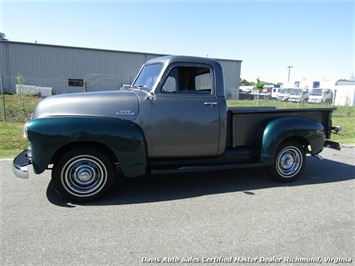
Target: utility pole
{"x":289,"y":72}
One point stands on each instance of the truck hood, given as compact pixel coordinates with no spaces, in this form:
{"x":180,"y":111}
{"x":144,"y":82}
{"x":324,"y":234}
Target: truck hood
{"x":115,"y":104}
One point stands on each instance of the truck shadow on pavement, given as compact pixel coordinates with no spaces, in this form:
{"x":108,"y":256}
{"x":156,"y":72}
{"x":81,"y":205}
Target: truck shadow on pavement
{"x":156,"y":188}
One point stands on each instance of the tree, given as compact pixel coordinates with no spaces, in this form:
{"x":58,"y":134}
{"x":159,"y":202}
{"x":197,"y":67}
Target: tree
{"x":21,"y":81}
{"x":259,"y":84}
{"x":244,"y":82}
{"x":3,"y":37}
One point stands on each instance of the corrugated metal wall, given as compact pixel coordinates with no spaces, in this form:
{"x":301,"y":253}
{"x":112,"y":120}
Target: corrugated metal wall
{"x":52,"y":66}
{"x":231,"y":69}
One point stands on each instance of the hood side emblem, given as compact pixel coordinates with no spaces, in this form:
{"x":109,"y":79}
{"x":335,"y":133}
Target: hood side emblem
{"x":125,"y":112}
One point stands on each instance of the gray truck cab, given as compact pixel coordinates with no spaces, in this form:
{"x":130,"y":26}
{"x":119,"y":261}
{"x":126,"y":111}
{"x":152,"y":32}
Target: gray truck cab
{"x":188,"y":106}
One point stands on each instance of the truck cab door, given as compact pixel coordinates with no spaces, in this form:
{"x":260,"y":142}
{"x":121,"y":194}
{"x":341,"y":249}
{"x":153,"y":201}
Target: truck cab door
{"x":185,"y":113}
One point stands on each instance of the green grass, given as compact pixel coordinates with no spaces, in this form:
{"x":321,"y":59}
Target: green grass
{"x":347,"y":135}
{"x":18,"y":110}
{"x":11,"y":139}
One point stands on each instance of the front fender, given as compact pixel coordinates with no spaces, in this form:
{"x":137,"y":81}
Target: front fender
{"x":282,"y":128}
{"x":124,"y":138}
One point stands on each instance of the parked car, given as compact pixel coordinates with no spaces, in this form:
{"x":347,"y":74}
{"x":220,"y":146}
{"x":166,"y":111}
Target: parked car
{"x":299,"y":95}
{"x":284,"y":94}
{"x":245,"y":95}
{"x":321,"y":96}
{"x":275,"y":93}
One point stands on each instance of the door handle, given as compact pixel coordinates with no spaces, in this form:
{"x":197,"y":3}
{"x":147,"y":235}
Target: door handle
{"x":210,"y":103}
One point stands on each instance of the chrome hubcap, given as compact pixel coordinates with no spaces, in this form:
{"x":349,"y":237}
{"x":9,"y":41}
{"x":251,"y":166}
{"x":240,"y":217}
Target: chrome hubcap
{"x":289,"y":162}
{"x":84,"y":173}
{"x":84,"y":176}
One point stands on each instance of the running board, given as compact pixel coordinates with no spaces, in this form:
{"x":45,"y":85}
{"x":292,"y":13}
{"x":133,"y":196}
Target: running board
{"x":233,"y":158}
{"x":202,"y":168}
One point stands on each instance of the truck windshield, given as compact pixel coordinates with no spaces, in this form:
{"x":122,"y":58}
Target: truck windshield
{"x":316,"y":92}
{"x":148,"y":76}
{"x":296,"y":92}
{"x":286,"y":91}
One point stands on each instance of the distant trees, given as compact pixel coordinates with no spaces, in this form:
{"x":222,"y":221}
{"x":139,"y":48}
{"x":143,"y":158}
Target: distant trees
{"x":244,"y":82}
{"x":258,"y":84}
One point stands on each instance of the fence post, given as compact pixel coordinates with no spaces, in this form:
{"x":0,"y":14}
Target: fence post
{"x":3,"y":99}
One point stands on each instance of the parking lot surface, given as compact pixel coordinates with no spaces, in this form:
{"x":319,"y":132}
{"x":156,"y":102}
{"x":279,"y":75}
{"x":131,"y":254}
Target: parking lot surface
{"x":225,"y":217}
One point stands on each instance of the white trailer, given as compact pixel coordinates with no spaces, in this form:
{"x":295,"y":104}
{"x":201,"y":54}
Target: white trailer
{"x":345,"y":95}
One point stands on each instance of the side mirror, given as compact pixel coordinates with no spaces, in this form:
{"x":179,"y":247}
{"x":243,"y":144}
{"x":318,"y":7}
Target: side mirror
{"x":151,"y":96}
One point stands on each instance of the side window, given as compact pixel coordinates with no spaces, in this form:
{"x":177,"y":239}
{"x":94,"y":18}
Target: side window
{"x":171,"y":83}
{"x":189,"y":79}
{"x":203,"y":83}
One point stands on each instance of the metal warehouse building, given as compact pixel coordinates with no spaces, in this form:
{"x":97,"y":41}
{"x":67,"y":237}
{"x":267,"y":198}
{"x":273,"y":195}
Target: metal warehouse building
{"x":64,"y":69}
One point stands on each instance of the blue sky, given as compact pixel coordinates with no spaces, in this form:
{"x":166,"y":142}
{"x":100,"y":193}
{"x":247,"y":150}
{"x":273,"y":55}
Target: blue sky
{"x":316,"y":38}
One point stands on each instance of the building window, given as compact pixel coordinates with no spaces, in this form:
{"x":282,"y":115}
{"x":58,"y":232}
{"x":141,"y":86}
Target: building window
{"x":75,"y":82}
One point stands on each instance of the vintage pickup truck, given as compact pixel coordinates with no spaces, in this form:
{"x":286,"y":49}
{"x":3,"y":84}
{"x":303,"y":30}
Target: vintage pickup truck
{"x":174,"y":118}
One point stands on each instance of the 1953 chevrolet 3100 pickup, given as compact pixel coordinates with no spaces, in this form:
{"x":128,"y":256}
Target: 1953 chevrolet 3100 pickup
{"x":174,"y":118}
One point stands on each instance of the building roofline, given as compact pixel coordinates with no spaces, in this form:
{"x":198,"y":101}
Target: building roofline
{"x":101,"y":50}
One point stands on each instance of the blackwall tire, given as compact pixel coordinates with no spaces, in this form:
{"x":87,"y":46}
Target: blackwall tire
{"x":290,"y":162}
{"x":83,"y":175}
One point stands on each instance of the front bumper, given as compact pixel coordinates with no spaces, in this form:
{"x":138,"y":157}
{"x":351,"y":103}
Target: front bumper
{"x":19,"y":165}
{"x":314,"y":101}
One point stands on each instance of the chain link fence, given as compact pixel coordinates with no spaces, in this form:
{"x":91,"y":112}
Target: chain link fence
{"x":60,"y":85}
{"x":39,"y":87}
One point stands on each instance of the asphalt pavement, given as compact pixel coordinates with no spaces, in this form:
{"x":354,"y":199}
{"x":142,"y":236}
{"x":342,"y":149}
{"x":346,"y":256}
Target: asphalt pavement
{"x":215,"y":218}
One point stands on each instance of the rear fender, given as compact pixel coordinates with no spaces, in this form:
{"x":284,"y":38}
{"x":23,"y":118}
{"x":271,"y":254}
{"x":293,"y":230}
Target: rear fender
{"x":282,"y":128}
{"x":124,"y":138}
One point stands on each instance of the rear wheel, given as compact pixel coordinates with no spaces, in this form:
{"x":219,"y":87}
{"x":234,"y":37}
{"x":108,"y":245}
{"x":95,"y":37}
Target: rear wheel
{"x":289,"y":163}
{"x":83,"y":175}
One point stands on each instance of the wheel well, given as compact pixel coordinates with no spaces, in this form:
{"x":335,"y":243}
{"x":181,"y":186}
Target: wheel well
{"x":303,"y":141}
{"x":93,"y":145}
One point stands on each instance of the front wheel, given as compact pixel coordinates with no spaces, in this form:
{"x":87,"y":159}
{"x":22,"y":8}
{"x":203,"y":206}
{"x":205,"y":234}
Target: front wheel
{"x":289,"y":163}
{"x":83,"y":175}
